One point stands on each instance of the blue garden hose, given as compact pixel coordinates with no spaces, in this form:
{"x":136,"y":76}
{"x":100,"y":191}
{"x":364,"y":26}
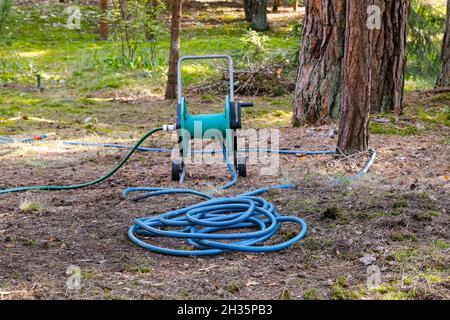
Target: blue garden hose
{"x":207,"y":226}
{"x":24,"y":140}
{"x":201,"y":225}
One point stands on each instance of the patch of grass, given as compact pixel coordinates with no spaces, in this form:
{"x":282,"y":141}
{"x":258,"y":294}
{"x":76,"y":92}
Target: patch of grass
{"x":405,"y":255}
{"x":285,"y":295}
{"x":184,"y":293}
{"x":425,"y":196}
{"x":438,"y":118}
{"x":393,"y":130}
{"x":407,"y":281}
{"x":341,"y":178}
{"x":400,"y":204}
{"x":310,"y":294}
{"x":110,"y":296}
{"x":341,"y":292}
{"x":234,"y":287}
{"x":441,"y":244}
{"x":28,"y":206}
{"x":88,"y":275}
{"x":400,"y":236}
{"x":141,"y":267}
{"x":432,"y":277}
{"x":399,"y":295}
{"x":446,"y":140}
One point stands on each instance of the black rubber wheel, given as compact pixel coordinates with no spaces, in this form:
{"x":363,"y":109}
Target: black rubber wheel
{"x":242,"y":167}
{"x":177,"y":170}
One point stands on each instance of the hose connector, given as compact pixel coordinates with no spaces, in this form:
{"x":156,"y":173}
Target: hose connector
{"x":169,"y":127}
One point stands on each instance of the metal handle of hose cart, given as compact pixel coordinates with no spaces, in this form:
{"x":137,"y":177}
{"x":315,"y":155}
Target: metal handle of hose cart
{"x":208,"y":57}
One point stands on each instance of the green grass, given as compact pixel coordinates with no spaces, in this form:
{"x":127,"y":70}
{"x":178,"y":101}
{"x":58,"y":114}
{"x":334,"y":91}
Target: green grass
{"x":81,"y":73}
{"x":393,"y":130}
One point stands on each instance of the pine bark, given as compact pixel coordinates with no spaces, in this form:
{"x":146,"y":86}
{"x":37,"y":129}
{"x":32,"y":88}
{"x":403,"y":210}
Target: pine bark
{"x":318,"y":84}
{"x":444,"y":77}
{"x":171,"y":89}
{"x":356,"y":86}
{"x":389,"y":56}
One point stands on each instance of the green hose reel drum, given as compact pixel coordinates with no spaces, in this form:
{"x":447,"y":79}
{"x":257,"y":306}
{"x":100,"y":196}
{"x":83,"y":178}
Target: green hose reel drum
{"x":206,"y":126}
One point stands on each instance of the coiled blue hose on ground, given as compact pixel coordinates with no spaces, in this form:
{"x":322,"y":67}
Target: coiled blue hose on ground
{"x":207,"y":226}
{"x":201,"y":225}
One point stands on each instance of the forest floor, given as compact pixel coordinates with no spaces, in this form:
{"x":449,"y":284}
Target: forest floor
{"x":396,"y":217}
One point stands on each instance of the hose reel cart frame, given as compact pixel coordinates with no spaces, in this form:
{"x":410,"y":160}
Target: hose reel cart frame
{"x":226,"y":123}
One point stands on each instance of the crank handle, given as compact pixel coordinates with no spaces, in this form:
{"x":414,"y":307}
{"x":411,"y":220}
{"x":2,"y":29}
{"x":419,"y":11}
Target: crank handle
{"x":246,"y":104}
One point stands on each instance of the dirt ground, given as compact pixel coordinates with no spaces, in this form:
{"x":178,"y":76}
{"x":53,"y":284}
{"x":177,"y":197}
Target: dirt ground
{"x":395,"y":218}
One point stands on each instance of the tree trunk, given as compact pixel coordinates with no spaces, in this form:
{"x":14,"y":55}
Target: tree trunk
{"x":259,"y":15}
{"x":389,"y":56}
{"x":444,"y":77}
{"x":294,"y":5}
{"x":248,"y":10}
{"x":103,"y":24}
{"x":171,"y":89}
{"x":276,"y":5}
{"x":318,"y":85}
{"x":356,"y":85}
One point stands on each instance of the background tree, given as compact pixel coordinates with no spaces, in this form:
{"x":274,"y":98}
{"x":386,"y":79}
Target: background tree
{"x":444,"y":77}
{"x":356,"y":85}
{"x":248,"y":10}
{"x":319,"y":77}
{"x":318,"y":84}
{"x":294,"y":4}
{"x":276,"y":5}
{"x":176,"y":9}
{"x":103,"y":22}
{"x":259,"y":15}
{"x":389,"y":56}
{"x":256,"y":13}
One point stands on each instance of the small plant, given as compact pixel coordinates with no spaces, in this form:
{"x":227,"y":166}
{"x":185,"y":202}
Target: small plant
{"x":135,"y":23}
{"x":310,"y":294}
{"x":441,"y":244}
{"x":153,"y":27}
{"x":285,"y":295}
{"x":254,"y":46}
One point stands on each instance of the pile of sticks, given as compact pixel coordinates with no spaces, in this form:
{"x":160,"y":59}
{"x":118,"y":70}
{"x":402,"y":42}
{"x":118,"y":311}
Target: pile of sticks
{"x":267,"y":80}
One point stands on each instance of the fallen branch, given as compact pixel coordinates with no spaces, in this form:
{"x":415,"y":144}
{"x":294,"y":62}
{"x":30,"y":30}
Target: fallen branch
{"x":434,"y":91}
